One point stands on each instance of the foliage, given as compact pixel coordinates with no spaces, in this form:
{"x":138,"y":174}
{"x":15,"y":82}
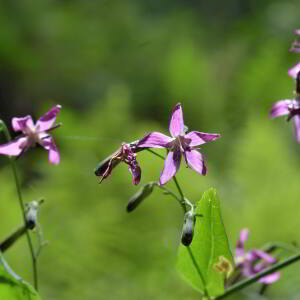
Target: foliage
{"x":209,"y":244}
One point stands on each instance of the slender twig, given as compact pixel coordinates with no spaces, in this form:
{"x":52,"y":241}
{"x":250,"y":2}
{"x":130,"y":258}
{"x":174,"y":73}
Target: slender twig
{"x":244,"y":283}
{"x":18,"y":186}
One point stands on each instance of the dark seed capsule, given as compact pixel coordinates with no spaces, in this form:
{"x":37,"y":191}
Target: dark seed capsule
{"x":139,"y":196}
{"x":188,"y":229}
{"x":298,"y":83}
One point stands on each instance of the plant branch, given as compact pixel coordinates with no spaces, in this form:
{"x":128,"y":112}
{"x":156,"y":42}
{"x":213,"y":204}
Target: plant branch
{"x":18,"y":186}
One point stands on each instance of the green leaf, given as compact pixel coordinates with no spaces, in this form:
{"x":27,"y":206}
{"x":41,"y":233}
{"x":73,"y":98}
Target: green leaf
{"x":12,"y":287}
{"x":209,"y":243}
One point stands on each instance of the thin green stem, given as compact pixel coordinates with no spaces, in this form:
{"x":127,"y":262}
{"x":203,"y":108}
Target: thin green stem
{"x":18,"y":186}
{"x":178,"y":188}
{"x":169,"y":192}
{"x":153,"y":152}
{"x":182,"y":202}
{"x":242,"y":284}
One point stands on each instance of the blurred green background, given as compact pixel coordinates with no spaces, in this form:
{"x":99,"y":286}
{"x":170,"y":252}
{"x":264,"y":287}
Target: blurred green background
{"x":118,"y":67}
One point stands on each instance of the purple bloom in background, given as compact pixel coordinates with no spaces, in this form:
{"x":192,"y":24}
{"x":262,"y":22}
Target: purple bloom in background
{"x":296,"y":45}
{"x":294,"y":71}
{"x":126,"y":153}
{"x":33,"y":134}
{"x":179,"y":143}
{"x":291,"y":108}
{"x":253,"y":261}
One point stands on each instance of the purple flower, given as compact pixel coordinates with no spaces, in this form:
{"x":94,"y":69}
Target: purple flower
{"x":33,"y":134}
{"x":126,"y":154}
{"x":180,"y":143}
{"x":253,"y":261}
{"x":291,"y":108}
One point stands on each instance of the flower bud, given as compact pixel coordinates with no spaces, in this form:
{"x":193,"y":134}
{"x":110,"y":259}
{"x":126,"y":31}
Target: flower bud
{"x":32,"y":213}
{"x":188,"y":228}
{"x":139,"y":196}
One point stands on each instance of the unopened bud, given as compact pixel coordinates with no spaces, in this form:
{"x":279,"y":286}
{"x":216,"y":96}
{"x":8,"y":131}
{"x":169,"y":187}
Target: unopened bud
{"x":139,"y":196}
{"x":32,"y":213}
{"x":188,"y":228}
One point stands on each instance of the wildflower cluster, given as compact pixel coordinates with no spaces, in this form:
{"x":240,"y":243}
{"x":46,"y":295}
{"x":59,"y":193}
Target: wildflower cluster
{"x":255,"y":263}
{"x":180,"y":143}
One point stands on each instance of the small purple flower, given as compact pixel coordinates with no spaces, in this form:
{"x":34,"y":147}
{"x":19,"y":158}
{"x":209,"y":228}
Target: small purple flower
{"x":126,"y":154}
{"x":253,"y":261}
{"x":180,"y":143}
{"x":33,"y":134}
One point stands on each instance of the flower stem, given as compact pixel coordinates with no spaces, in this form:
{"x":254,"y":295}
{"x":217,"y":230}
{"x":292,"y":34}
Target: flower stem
{"x":249,"y":281}
{"x":169,"y":192}
{"x":182,"y":202}
{"x":181,"y":194}
{"x":18,"y":186}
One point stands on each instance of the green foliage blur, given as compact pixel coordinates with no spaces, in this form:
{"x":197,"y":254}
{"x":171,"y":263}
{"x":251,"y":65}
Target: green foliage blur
{"x":117,"y":68}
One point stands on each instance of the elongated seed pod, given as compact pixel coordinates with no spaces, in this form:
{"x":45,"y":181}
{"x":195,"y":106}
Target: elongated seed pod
{"x":188,"y":228}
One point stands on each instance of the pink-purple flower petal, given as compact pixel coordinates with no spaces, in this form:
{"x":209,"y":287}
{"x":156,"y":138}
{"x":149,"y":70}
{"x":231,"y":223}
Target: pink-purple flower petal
{"x":196,"y":138}
{"x":53,"y":156}
{"x":264,"y":256}
{"x":20,"y":124}
{"x":270,"y":278}
{"x":15,"y":147}
{"x":155,"y":140}
{"x":281,"y":108}
{"x":296,"y":123}
{"x":293,"y":72}
{"x":176,"y":126}
{"x":240,"y":245}
{"x":48,"y":119}
{"x":135,"y":170}
{"x":171,"y":166}
{"x":194,"y":160}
